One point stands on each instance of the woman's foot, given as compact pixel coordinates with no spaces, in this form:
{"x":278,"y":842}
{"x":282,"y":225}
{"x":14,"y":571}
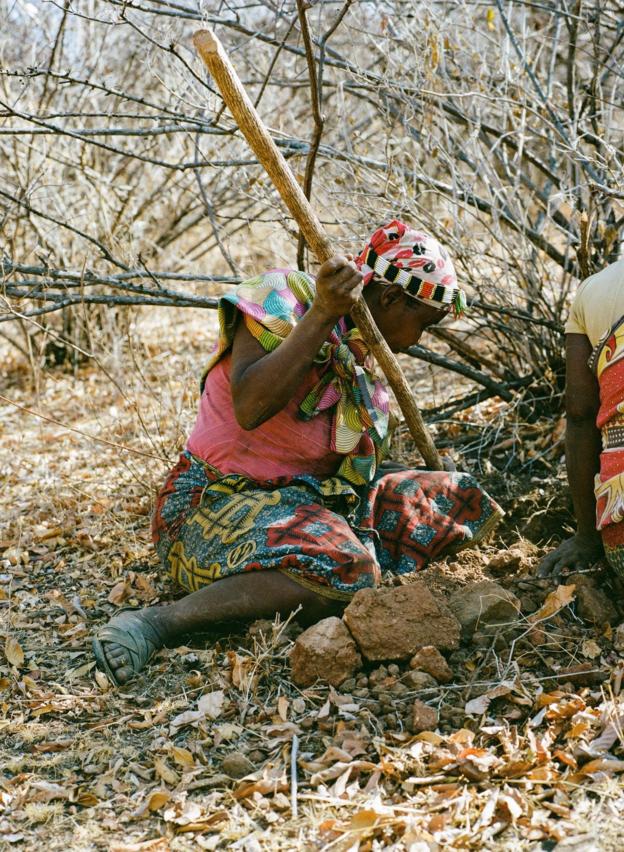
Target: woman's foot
{"x":124,"y":645}
{"x":128,"y":641}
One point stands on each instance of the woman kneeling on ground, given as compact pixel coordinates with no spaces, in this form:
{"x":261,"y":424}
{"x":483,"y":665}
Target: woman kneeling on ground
{"x":281,"y":500}
{"x":594,"y":441}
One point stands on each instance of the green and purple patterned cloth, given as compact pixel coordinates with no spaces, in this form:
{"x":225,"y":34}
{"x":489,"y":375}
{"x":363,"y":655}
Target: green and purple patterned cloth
{"x":272,"y":304}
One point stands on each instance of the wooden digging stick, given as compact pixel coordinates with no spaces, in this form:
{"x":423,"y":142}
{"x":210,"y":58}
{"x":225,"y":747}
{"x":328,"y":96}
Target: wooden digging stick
{"x":216,"y":60}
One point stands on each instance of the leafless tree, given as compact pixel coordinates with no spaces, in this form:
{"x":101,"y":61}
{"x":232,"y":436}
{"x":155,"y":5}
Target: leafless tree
{"x":497,"y":126}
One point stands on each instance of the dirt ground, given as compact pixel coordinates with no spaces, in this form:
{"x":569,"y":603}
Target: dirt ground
{"x":198,"y":752}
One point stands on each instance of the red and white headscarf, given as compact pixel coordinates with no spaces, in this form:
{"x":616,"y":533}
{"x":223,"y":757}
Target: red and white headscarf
{"x":399,"y":254}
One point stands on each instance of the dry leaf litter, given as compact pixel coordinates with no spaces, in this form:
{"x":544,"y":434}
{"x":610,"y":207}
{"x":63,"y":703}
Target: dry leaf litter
{"x":510,"y":737}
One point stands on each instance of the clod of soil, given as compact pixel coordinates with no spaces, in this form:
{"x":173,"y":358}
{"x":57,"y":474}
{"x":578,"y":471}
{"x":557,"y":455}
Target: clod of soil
{"x":483,"y":603}
{"x":424,"y":718}
{"x":592,"y":603}
{"x":430,"y":660}
{"x":236,"y":765}
{"x":325,"y":651}
{"x":392,"y":624}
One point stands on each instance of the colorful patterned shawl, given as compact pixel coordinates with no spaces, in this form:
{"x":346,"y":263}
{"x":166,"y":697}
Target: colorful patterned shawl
{"x":272,"y":304}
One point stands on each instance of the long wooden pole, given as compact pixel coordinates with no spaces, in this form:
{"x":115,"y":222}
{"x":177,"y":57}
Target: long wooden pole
{"x":216,"y":60}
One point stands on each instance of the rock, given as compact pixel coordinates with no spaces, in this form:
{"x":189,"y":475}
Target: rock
{"x":424,"y":718}
{"x":392,"y":624}
{"x":583,"y":674}
{"x":394,"y":670}
{"x":420,"y":680}
{"x":618,"y":637}
{"x":236,"y":765}
{"x":299,"y":705}
{"x":391,"y":720}
{"x":348,"y":685}
{"x":377,"y":675}
{"x":506,"y":561}
{"x":430,"y":660}
{"x":326,"y":651}
{"x":591,"y":602}
{"x":528,"y":604}
{"x":483,"y":603}
{"x":481,"y":640}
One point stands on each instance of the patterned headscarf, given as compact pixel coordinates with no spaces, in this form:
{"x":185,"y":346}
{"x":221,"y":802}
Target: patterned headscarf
{"x":399,"y":254}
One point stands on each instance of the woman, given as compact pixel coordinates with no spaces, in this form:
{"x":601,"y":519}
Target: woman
{"x":595,"y":424}
{"x":281,"y":494}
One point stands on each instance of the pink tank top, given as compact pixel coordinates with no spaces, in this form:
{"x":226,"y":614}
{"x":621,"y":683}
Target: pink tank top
{"x":285,"y":445}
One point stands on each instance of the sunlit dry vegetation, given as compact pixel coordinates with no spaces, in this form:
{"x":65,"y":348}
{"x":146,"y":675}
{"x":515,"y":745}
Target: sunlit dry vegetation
{"x":128,"y":202}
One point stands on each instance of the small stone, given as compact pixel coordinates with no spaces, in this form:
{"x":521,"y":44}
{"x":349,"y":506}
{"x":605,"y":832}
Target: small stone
{"x":583,"y":674}
{"x":430,"y":660}
{"x":326,"y":651}
{"x":399,"y":689}
{"x":501,"y":641}
{"x":592,"y":604}
{"x":256,"y":757}
{"x":362,"y":682}
{"x":377,"y":675}
{"x":537,"y":636}
{"x":420,"y":680}
{"x":386,"y":700}
{"x":236,"y":765}
{"x":392,"y":624}
{"x":394,"y":670}
{"x":348,"y":685}
{"x":424,"y":718}
{"x":528,"y":604}
{"x":307,"y":724}
{"x":299,"y":705}
{"x":361,"y":693}
{"x":483,"y":603}
{"x":618,"y":637}
{"x":506,"y":562}
{"x":481,"y":640}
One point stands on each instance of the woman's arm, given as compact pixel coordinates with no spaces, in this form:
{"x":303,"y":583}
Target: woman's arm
{"x":263,"y":383}
{"x":583,"y":445}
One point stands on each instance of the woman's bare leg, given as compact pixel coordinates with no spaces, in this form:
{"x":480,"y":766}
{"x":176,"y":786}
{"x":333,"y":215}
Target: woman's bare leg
{"x":242,"y":597}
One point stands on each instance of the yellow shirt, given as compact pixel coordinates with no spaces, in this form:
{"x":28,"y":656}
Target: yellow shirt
{"x":599,"y":303}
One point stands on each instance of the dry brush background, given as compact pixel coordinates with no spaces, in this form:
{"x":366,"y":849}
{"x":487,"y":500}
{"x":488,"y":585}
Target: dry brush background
{"x":128,"y":202}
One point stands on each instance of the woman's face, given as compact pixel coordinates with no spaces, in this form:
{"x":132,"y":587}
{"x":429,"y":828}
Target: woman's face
{"x":401,"y":318}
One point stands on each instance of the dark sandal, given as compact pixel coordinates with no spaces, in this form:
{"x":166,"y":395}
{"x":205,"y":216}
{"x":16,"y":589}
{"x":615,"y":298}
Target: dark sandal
{"x":132,"y":632}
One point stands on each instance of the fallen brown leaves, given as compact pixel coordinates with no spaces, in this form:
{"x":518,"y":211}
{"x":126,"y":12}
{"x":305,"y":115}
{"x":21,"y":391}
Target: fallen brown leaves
{"x":529,"y":724}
